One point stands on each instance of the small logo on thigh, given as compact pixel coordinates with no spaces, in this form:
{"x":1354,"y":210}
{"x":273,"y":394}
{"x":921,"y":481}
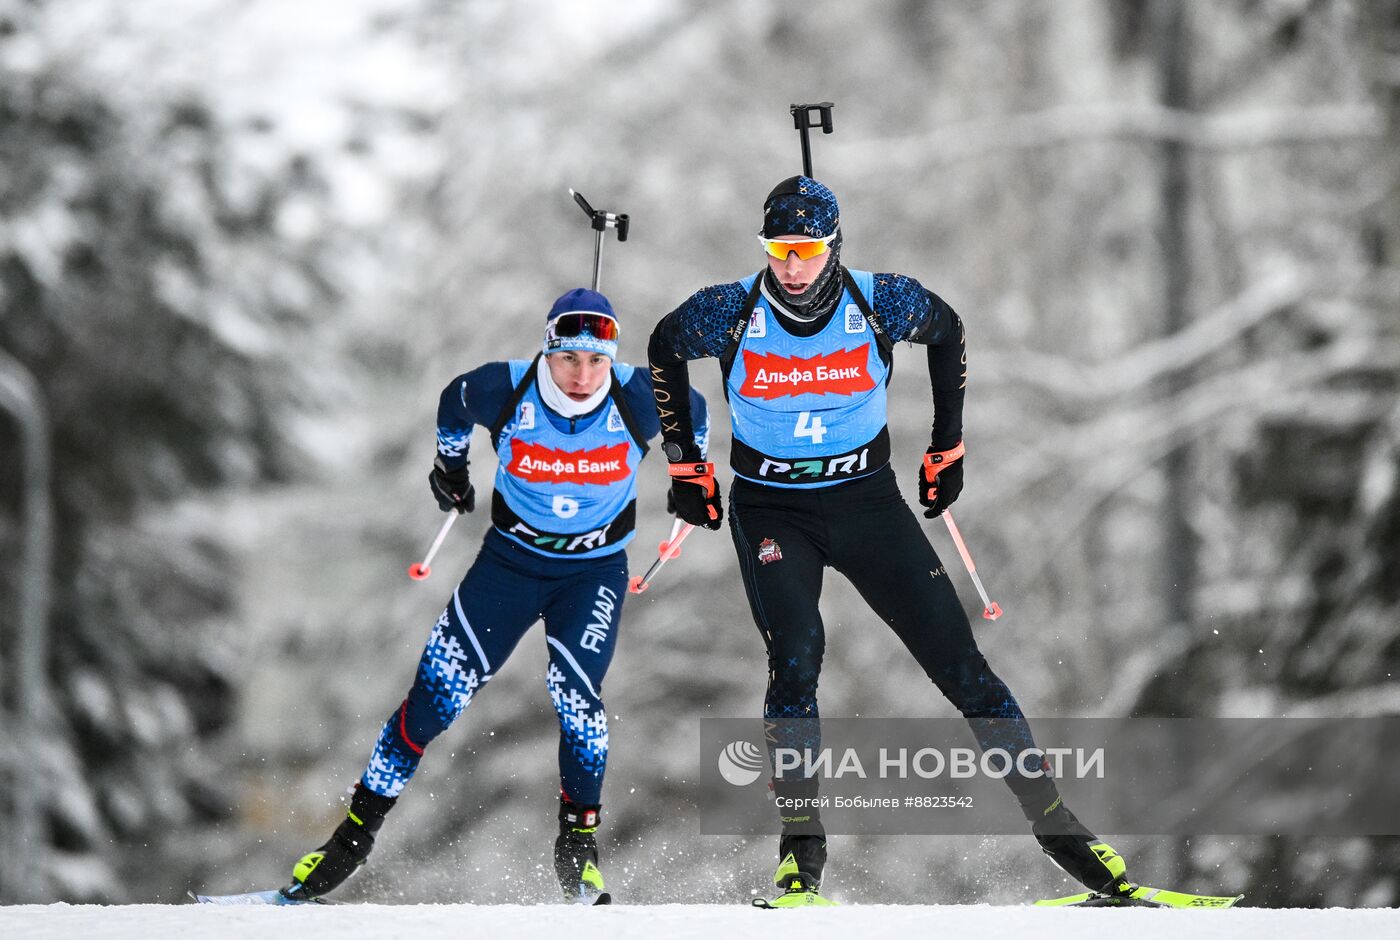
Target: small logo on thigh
{"x":938,"y":572}
{"x":769,"y":551}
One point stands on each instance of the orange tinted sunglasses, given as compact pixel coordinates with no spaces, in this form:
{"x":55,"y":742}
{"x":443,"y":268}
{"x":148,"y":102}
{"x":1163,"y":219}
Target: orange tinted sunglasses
{"x":806,"y":248}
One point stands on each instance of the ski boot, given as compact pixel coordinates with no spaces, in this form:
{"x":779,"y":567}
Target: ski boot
{"x":1083,"y":856}
{"x":799,"y":874}
{"x":327,"y":868}
{"x":576,"y":855}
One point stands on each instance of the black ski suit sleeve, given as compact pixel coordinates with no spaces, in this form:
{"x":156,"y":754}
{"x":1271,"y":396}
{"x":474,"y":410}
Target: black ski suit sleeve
{"x":909,"y":311}
{"x":697,"y":329}
{"x":641,"y":399}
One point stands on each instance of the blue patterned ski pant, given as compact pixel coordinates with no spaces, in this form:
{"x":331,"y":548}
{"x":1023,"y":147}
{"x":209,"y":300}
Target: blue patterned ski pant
{"x":506,"y":590}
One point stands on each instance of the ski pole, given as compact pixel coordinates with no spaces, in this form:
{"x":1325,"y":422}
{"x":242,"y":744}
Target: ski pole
{"x":669,"y":549}
{"x":421,"y":570}
{"x":601,"y":222}
{"x":802,"y":120}
{"x":991,"y":610}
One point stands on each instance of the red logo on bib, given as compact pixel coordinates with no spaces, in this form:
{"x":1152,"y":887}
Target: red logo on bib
{"x":547,"y":465}
{"x":840,"y":373}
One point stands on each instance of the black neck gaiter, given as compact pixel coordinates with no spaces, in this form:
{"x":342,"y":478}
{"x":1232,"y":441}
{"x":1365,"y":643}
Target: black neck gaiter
{"x":820,"y":297}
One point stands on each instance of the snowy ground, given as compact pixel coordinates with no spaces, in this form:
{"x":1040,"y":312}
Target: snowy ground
{"x":413,"y":922}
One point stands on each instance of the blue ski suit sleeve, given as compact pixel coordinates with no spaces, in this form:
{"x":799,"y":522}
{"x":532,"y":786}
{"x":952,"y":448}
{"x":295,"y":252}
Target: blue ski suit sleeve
{"x":475,"y":397}
{"x":909,"y":311}
{"x":699,"y":327}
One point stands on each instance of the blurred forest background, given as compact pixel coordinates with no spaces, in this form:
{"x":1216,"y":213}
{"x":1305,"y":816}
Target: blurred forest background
{"x":244,"y":243}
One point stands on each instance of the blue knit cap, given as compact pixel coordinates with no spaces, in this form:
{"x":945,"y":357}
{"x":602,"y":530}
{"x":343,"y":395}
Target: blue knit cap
{"x":800,"y":205}
{"x":579,"y":300}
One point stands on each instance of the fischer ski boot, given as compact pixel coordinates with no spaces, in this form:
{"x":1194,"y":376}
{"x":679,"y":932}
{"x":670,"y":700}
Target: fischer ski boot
{"x":327,"y":868}
{"x":576,"y":855}
{"x":1083,"y":856}
{"x":799,"y":874}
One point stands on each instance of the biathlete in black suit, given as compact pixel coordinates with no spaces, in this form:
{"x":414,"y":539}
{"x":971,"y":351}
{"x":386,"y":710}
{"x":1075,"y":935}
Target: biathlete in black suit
{"x":805,"y":350}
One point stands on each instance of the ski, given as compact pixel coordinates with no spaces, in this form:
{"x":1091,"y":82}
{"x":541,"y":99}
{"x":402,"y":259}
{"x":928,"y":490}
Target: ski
{"x":274,"y":897}
{"x":800,"y":892}
{"x":277,"y":898}
{"x":1142,"y":896}
{"x":589,"y":898}
{"x":792,"y":899}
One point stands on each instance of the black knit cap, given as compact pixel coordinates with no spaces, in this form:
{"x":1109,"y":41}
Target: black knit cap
{"x":800,"y":205}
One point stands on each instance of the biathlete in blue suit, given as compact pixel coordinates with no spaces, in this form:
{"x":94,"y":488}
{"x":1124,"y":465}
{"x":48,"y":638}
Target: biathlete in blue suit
{"x":805,"y":348}
{"x":569,"y":429}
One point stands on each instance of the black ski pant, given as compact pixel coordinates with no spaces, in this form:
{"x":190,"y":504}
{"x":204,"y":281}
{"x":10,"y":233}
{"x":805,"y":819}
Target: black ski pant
{"x":786,"y":538}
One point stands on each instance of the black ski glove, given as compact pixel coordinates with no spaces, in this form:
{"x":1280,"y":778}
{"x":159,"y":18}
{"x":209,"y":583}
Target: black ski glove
{"x":451,"y":488}
{"x":695,"y":494}
{"x":940,"y":479}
